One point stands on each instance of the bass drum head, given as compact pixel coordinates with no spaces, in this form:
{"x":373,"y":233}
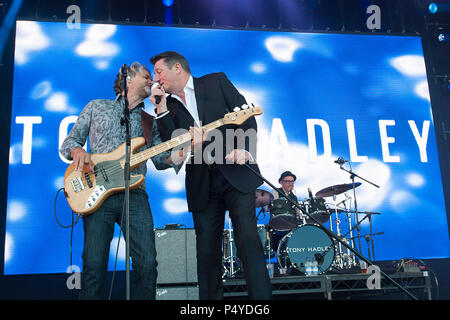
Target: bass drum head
{"x":305,"y":242}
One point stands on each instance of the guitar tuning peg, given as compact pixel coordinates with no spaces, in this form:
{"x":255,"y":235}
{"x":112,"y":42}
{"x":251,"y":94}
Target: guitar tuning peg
{"x":236,"y":109}
{"x":244,"y":106}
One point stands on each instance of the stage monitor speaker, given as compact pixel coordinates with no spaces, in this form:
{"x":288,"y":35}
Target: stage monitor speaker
{"x":177,"y":293}
{"x":176,"y":255}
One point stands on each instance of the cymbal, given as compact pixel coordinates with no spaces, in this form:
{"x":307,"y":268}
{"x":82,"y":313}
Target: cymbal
{"x":336,"y":189}
{"x":263,"y":198}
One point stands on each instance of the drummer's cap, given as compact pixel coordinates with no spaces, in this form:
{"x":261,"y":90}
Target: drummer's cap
{"x":287,"y":174}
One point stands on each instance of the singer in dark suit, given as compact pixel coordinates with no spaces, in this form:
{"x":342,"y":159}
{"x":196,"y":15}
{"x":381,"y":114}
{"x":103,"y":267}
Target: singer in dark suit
{"x":216,"y":181}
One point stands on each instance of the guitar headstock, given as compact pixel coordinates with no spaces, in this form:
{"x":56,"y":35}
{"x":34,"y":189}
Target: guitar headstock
{"x":240,"y":115}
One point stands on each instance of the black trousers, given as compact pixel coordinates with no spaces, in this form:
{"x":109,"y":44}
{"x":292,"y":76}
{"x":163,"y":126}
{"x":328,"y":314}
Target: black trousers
{"x":209,"y":226}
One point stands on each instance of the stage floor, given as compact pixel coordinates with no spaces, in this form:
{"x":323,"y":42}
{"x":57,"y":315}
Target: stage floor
{"x":340,"y":286}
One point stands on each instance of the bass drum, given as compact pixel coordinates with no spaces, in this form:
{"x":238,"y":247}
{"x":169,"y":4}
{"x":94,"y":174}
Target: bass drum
{"x":306,"y":242}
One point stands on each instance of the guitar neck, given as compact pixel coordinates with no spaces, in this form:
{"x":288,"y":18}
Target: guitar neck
{"x":142,"y":156}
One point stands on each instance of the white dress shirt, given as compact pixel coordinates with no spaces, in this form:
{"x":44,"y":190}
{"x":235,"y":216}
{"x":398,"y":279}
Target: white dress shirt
{"x":191,"y":107}
{"x":191,"y":102}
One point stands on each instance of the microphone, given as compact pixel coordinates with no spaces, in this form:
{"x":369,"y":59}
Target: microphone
{"x":340,"y":161}
{"x":124,"y":70}
{"x":157,"y":98}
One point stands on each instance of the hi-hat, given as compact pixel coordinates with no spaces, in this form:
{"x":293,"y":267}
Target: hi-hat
{"x":263,"y":198}
{"x":336,"y":189}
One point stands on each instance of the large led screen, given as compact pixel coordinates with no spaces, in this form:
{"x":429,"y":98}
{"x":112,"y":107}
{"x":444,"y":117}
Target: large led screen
{"x":364,"y":98}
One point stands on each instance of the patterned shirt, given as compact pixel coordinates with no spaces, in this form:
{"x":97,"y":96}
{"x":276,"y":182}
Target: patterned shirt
{"x":101,"y":120}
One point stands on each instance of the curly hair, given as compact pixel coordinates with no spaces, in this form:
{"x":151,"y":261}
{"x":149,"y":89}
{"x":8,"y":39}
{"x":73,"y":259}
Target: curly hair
{"x":132,"y":70}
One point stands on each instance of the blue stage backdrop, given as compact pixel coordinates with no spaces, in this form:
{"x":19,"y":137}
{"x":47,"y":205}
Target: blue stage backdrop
{"x":361,"y":97}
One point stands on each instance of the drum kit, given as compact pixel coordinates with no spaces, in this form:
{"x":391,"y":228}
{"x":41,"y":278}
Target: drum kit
{"x":293,"y":238}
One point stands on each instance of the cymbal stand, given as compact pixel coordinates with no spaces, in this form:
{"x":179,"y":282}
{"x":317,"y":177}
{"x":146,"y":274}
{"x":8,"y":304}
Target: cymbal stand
{"x":333,"y":245}
{"x":352,"y":241}
{"x":367,"y":237}
{"x":331,"y":222}
{"x":371,"y":238}
{"x":230,"y":271}
{"x":230,"y":233}
{"x":367,"y":215}
{"x":269,"y":242}
{"x":303,"y":216}
{"x":338,"y":232}
{"x":352,"y":177}
{"x":331,"y":234}
{"x":343,"y":260}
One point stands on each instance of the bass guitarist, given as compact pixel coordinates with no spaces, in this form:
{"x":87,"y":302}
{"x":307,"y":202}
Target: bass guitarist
{"x":101,"y":121}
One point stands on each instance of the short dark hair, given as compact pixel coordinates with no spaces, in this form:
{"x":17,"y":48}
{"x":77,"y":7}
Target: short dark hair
{"x":170,"y":58}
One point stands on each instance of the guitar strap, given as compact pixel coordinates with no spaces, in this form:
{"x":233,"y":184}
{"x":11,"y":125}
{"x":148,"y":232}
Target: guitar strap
{"x":147,"y":125}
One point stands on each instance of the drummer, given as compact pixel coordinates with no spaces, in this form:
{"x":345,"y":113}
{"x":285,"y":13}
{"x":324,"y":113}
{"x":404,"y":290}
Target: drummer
{"x":287,"y":181}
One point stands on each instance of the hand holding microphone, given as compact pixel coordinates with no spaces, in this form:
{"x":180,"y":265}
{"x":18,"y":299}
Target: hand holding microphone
{"x":156,"y":85}
{"x":157,"y":96}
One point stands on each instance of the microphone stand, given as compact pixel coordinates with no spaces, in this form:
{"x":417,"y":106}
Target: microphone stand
{"x":126,"y":121}
{"x":330,"y":233}
{"x":352,"y":177}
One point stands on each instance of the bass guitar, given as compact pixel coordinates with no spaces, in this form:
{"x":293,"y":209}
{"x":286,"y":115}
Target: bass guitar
{"x":85,"y":191}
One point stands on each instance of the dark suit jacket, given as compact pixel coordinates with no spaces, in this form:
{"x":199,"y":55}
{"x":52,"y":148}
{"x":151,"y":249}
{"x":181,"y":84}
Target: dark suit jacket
{"x":215,"y":96}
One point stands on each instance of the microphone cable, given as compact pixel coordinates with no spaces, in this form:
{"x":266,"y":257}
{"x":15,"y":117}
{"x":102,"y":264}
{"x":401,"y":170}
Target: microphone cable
{"x":66,"y":227}
{"x":56,"y":217}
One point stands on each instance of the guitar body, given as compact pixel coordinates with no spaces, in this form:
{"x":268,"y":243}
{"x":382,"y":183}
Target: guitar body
{"x":86,"y":192}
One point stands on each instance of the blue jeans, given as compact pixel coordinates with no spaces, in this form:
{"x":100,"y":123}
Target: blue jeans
{"x":98,"y":233}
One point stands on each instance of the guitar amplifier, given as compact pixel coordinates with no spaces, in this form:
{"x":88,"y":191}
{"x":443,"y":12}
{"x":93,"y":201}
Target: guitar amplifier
{"x":176,"y":255}
{"x":177,"y":293}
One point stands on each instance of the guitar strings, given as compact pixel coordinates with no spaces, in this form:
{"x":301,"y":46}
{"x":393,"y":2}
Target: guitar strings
{"x":155,"y":150}
{"x":148,"y":153}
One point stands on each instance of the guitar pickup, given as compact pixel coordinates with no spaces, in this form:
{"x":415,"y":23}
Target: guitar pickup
{"x":93,"y":198}
{"x":77,"y":184}
{"x":88,"y":180}
{"x":105,"y":176}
